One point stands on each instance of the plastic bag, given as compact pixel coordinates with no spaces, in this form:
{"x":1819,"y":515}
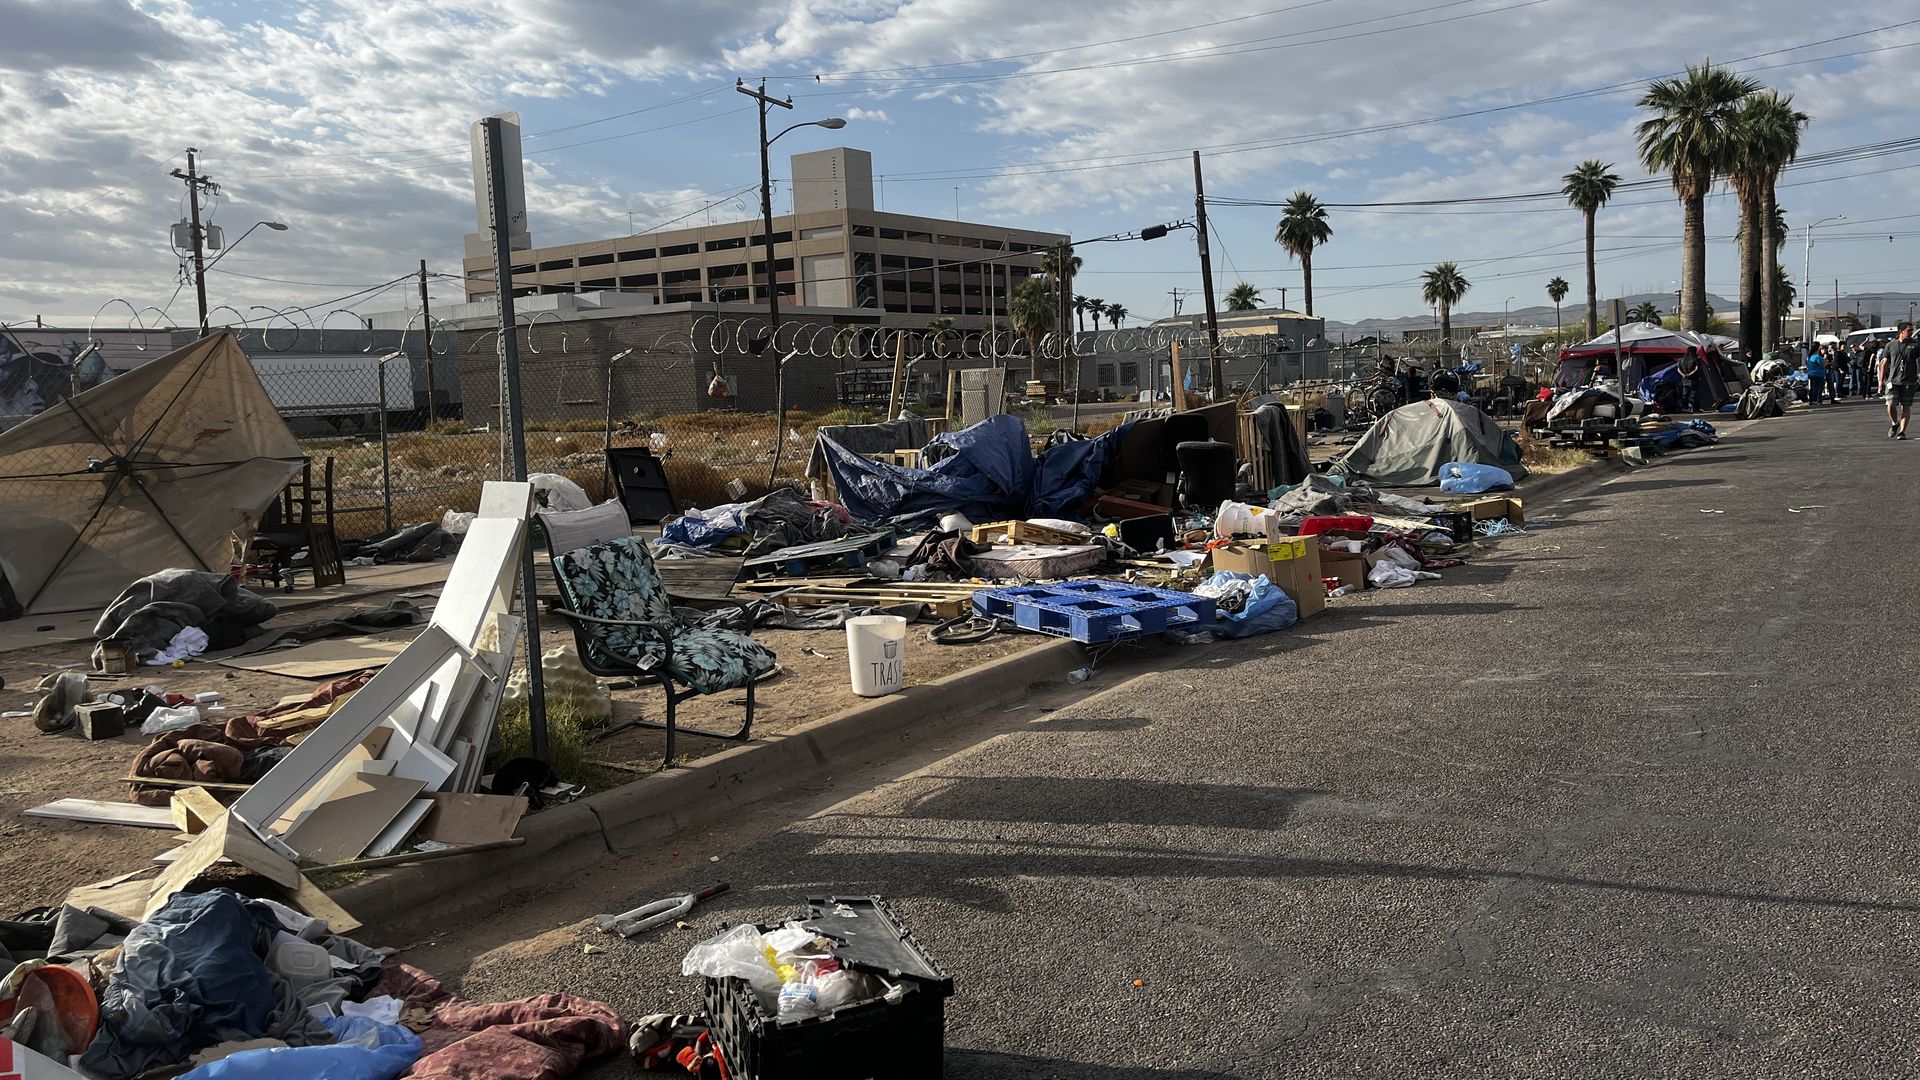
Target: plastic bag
{"x":1240,"y":519}
{"x":456,"y":523}
{"x":1266,"y":607}
{"x":167,"y":718}
{"x":1468,"y":478}
{"x":551,"y":491}
{"x":366,"y":1051}
{"x":739,"y":953}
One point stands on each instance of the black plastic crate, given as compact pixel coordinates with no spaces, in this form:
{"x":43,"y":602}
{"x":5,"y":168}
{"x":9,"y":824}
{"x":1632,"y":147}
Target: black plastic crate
{"x":874,"y":1040}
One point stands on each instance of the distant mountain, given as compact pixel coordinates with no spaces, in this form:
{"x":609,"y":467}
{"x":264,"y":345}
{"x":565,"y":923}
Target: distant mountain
{"x":1891,"y":307}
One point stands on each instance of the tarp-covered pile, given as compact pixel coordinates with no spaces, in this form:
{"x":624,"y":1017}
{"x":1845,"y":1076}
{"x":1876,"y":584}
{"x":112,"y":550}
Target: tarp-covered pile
{"x":990,"y":474}
{"x":1408,"y":446}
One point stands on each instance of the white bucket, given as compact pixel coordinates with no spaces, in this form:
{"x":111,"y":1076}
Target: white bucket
{"x":876,"y":653}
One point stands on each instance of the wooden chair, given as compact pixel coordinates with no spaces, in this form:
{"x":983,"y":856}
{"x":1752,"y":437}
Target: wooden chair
{"x":301,"y":519}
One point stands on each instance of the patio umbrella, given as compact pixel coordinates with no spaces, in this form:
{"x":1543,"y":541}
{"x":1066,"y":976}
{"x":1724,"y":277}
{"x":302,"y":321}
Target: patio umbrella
{"x":148,"y":471}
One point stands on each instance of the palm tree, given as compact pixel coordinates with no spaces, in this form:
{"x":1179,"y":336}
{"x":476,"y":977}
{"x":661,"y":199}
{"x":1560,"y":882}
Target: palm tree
{"x":1587,"y":190}
{"x":1766,"y":137}
{"x":1784,"y":295}
{"x":1033,"y":311}
{"x":1690,"y":137}
{"x":1059,"y":264}
{"x":1096,"y":308}
{"x":1079,"y":313}
{"x":1303,"y":227}
{"x":939,"y":324}
{"x":1557,"y":290}
{"x":1644,"y":311}
{"x":1444,"y":285}
{"x":1784,"y":124}
{"x":1243,"y":297}
{"x":1115,"y":313}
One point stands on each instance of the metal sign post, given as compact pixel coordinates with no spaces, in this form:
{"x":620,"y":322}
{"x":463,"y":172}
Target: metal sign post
{"x":499,"y":231}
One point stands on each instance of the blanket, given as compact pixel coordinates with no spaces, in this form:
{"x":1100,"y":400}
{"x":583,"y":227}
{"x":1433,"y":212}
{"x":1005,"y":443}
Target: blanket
{"x":148,"y":613}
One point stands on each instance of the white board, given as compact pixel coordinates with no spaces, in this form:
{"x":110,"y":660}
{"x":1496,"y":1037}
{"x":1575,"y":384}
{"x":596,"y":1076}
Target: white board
{"x":105,"y":813}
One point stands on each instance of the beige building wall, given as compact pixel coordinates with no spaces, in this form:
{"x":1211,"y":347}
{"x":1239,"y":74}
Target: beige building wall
{"x":910,"y":268}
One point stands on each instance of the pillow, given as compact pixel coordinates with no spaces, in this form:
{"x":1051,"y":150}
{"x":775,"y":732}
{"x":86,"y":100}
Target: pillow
{"x":570,"y":530}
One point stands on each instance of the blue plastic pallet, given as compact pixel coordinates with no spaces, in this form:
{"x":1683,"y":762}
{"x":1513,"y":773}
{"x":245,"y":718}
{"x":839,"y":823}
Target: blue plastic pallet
{"x":1095,"y":612}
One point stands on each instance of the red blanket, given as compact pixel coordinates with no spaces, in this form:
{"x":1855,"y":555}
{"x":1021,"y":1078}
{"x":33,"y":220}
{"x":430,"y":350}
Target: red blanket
{"x":545,"y":1037}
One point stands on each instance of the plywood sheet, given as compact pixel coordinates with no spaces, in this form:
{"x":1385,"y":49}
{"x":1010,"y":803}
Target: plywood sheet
{"x":358,"y":811}
{"x":473,"y":819}
{"x":323,"y":659}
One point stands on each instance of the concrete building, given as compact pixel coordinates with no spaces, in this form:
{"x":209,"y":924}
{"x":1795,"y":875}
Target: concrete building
{"x":834,"y":251}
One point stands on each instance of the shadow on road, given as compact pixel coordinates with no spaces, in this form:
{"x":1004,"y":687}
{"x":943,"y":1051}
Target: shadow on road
{"x":981,"y":1065}
{"x":1661,"y":485}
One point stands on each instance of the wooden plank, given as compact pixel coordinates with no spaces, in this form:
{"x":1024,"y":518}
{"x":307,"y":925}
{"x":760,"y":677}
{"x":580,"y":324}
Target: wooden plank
{"x":125,"y":895}
{"x":406,"y":857}
{"x":229,"y":839}
{"x":97,"y":812}
{"x":194,"y":808}
{"x":210,"y":785}
{"x":1179,"y":377}
{"x":1023,"y":532}
{"x":899,"y":375}
{"x":309,"y":898}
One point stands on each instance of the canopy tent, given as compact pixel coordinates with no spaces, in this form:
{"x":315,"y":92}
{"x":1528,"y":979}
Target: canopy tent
{"x":1407,"y":446}
{"x":146,"y":472}
{"x":1645,"y":348}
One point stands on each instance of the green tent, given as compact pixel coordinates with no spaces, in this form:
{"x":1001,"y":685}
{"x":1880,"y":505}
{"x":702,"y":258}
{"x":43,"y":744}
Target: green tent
{"x":1406,"y":447}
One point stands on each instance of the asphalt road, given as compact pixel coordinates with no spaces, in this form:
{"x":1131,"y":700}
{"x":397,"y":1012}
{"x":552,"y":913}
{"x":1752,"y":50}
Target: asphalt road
{"x":1632,"y":797}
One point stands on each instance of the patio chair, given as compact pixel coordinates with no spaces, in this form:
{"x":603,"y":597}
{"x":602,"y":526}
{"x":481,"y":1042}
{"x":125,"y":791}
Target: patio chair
{"x":625,"y":624}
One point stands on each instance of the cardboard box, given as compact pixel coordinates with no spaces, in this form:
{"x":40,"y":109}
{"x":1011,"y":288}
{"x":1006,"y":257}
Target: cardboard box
{"x":1488,"y":509}
{"x":1294,"y":565}
{"x":1351,"y":569}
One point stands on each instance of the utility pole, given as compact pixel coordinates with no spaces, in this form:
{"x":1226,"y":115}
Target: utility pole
{"x":426,"y":320}
{"x":1283,"y":298}
{"x":1175,"y":293}
{"x":762,"y":101}
{"x":1206,"y":281}
{"x":195,"y":185}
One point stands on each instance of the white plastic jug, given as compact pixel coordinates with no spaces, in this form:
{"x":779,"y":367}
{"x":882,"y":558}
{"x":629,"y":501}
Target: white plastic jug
{"x":876,"y":653}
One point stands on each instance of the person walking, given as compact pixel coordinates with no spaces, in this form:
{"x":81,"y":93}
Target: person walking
{"x":1816,"y":374}
{"x":1899,"y":376}
{"x":1689,"y":371}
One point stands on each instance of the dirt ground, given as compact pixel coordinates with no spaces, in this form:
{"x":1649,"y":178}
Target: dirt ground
{"x":40,"y":859}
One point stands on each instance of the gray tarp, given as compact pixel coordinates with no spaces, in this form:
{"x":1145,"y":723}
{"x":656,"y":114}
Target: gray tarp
{"x":1407,"y":446}
{"x":150,"y":470}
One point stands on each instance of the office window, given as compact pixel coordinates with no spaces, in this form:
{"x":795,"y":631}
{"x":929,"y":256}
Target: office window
{"x":598,"y":283}
{"x":821,"y":232}
{"x":1130,"y":372}
{"x":557,"y":264}
{"x":596,"y":260}
{"x":726,"y":243}
{"x":637,"y":253}
{"x":863,"y":230}
{"x":633,"y":281}
{"x":678,"y":277}
{"x":892,"y":234}
{"x":679,"y":249}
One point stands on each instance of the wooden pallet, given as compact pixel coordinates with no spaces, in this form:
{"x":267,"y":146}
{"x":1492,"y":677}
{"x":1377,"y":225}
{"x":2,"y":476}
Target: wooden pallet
{"x":906,"y":459}
{"x":948,"y":600}
{"x":1022,"y":532}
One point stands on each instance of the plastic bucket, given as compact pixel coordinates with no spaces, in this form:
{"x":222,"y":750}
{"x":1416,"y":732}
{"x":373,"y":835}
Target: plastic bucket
{"x":876,"y":653}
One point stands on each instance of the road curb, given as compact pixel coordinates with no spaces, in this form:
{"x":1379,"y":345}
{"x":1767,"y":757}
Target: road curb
{"x":579,"y":836}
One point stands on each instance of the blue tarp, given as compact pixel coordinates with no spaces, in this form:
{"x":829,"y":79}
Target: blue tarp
{"x":992,"y":475}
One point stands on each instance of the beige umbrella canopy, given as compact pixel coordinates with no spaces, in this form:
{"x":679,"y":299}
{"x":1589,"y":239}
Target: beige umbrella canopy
{"x":148,"y":471}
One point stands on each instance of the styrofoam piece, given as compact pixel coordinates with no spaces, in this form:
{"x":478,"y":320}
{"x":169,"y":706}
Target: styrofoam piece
{"x":328,"y":744}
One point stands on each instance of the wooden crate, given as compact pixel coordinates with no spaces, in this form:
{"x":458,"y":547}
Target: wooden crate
{"x":1253,"y":449}
{"x":906,"y":459}
{"x":947,"y":600}
{"x":1022,"y":532}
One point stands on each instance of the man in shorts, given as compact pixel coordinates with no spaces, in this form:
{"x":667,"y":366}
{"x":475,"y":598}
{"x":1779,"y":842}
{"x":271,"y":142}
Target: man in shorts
{"x":1900,"y":376}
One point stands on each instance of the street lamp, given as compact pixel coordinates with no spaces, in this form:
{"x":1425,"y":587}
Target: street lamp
{"x":1806,"y":294}
{"x":832,"y":123}
{"x":200,"y":275}
{"x":1503,"y":312}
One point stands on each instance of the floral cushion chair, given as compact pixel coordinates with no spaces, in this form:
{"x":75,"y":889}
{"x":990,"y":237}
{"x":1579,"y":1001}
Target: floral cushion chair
{"x":625,"y":625}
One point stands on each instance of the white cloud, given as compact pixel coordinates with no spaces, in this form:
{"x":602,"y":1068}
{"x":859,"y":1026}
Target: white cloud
{"x":867,"y":116}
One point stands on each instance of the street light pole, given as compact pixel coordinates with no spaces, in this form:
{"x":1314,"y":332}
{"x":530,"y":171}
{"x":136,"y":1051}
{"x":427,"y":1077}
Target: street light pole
{"x":762,"y":101}
{"x":1806,"y":293}
{"x":196,"y":184}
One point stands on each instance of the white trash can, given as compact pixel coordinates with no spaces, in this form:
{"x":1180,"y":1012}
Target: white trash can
{"x":876,"y":653}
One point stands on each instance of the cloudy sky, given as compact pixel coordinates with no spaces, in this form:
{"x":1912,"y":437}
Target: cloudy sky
{"x":347,"y":119}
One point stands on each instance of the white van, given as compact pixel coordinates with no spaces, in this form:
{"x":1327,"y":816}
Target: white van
{"x":1878,"y":333}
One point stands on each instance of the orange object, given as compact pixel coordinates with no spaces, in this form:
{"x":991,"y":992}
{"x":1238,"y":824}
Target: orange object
{"x":73,"y":1003}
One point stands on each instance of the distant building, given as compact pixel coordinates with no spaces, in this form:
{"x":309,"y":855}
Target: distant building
{"x":835,"y":251}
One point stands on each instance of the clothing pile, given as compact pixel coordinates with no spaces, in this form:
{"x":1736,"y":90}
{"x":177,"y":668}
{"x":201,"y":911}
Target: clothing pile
{"x":151,"y":613}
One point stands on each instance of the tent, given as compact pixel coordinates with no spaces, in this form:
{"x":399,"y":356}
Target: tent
{"x":1407,"y":446}
{"x":146,"y":472}
{"x":1645,"y":348}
